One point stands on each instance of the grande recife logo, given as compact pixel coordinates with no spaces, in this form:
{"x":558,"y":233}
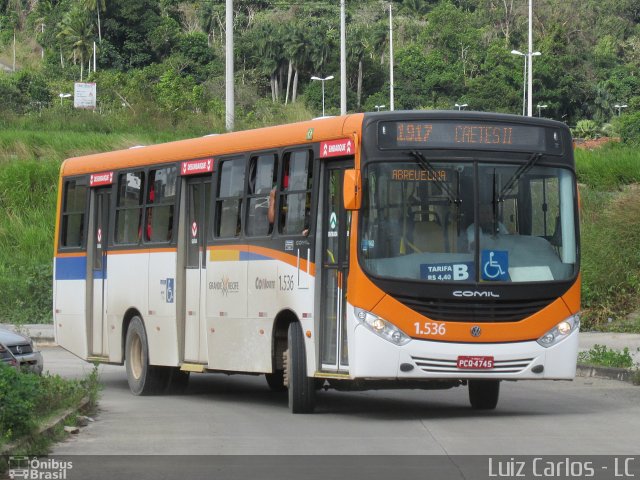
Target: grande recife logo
{"x":336,"y":148}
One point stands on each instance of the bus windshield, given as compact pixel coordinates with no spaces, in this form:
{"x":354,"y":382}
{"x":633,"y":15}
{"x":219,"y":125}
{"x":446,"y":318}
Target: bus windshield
{"x":468,"y":222}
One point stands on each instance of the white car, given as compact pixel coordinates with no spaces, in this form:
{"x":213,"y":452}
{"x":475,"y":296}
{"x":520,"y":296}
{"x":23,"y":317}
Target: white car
{"x":20,"y":348}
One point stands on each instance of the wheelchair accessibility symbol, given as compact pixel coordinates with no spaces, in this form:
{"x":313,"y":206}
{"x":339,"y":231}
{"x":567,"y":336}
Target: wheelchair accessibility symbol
{"x":495,"y":265}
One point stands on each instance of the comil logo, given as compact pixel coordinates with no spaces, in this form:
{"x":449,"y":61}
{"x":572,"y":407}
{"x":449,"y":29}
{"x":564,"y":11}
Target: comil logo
{"x":474,"y":294}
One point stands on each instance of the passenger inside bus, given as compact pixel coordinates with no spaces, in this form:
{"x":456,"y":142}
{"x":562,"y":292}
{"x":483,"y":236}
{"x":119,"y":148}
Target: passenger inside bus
{"x":489,"y":225}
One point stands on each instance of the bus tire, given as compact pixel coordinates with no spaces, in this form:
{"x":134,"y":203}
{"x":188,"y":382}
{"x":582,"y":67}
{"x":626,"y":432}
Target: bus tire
{"x":302,"y":392}
{"x":483,"y":394}
{"x":144,"y":379}
{"x":275,"y":381}
{"x":178,"y":381}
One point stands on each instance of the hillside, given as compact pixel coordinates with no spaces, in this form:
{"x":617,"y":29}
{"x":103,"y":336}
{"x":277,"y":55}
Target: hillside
{"x":167,"y":57}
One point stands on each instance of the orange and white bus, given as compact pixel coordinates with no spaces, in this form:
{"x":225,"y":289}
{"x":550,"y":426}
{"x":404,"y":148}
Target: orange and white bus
{"x":379,"y":250}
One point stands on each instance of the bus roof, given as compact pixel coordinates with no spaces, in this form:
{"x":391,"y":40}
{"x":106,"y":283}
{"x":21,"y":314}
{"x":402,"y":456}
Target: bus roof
{"x":216,"y":145}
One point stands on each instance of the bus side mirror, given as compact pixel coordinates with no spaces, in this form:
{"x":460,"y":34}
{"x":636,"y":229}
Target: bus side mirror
{"x":351,"y":188}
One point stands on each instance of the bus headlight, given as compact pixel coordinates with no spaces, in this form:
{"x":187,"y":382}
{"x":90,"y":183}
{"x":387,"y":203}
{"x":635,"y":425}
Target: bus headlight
{"x":560,"y":331}
{"x":381,"y":327}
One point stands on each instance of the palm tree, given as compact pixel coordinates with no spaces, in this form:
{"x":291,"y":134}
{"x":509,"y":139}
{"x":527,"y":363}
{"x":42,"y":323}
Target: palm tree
{"x":76,"y":31}
{"x":96,"y":5}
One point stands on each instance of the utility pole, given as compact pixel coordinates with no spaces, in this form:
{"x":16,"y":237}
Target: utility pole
{"x":391,"y":105}
{"x":343,"y":61}
{"x":530,"y":62}
{"x":14,"y":49}
{"x":230,"y":110}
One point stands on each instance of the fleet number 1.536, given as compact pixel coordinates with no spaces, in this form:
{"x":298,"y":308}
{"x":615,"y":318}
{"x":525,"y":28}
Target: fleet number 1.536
{"x":430,"y":328}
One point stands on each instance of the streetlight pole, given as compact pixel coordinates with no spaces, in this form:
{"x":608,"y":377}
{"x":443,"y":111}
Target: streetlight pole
{"x":378,"y":107}
{"x":527,"y":69}
{"x":391,"y":104}
{"x":530,"y":62}
{"x":343,"y":61}
{"x":229,"y":97}
{"x":540,"y":108}
{"x":620,"y":107}
{"x":460,"y":107}
{"x":330,"y":77}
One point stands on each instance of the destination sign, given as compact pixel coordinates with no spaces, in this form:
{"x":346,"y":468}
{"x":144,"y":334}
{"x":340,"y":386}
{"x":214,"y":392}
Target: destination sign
{"x":468,"y":135}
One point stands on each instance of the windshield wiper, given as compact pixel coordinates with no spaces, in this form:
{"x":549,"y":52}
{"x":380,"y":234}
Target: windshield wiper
{"x":426,"y":165}
{"x":516,"y":176}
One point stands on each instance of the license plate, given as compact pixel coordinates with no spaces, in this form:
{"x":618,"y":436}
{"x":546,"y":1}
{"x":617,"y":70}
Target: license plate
{"x":475,"y":363}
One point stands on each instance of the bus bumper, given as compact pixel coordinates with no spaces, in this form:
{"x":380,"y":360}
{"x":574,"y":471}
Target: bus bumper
{"x":372,"y":357}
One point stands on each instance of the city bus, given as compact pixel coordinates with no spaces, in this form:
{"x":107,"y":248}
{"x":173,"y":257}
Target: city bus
{"x":417,"y":249}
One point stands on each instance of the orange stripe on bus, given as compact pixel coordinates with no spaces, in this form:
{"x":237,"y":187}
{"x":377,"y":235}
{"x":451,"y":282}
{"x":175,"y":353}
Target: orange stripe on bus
{"x":71,"y":254}
{"x":219,"y":255}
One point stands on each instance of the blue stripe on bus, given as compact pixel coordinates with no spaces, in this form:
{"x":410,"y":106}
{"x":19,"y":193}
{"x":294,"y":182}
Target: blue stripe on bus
{"x":71,"y":268}
{"x":246,"y":256}
{"x":75,"y":268}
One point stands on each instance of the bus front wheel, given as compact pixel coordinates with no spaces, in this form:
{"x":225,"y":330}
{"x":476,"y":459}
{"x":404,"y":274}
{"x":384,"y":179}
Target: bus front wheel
{"x":483,"y":394}
{"x":144,"y":379}
{"x":301,"y":388}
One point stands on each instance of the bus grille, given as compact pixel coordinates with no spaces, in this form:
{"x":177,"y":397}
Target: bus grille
{"x":477,"y":312}
{"x":439,"y":365}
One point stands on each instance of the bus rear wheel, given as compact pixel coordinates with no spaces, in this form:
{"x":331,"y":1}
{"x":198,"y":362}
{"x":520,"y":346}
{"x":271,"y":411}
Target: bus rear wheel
{"x":483,"y":394}
{"x":144,"y":379}
{"x":302,"y":392}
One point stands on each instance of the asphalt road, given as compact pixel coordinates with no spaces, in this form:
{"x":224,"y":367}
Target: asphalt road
{"x":238,"y":414}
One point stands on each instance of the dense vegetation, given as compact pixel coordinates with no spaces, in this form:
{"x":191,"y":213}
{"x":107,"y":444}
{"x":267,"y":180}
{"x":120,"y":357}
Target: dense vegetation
{"x":166,"y":58}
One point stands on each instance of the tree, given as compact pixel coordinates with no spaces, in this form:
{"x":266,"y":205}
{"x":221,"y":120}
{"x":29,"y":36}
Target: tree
{"x":96,"y":6}
{"x":77,"y":34}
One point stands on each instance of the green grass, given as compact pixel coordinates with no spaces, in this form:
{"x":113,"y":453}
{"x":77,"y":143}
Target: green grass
{"x":610,"y":224}
{"x":602,"y":356}
{"x":608,"y":168}
{"x":27,"y":401}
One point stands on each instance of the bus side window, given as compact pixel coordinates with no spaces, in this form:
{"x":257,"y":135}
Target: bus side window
{"x":73,"y":211}
{"x":129,"y":208}
{"x":161,"y":200}
{"x":262,"y":178}
{"x":229,"y":200}
{"x":295,"y":193}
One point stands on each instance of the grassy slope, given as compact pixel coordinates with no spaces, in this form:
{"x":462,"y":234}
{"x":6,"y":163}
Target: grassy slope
{"x":29,"y":166}
{"x":30,"y":159}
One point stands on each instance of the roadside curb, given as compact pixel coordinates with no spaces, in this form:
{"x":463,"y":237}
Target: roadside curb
{"x":620,"y":374}
{"x":47,"y":426}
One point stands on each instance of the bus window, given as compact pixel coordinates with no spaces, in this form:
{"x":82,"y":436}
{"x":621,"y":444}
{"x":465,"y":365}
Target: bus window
{"x":229,"y":201}
{"x":262,"y":178}
{"x":74,"y":206}
{"x":161,"y":200}
{"x":129,"y":208}
{"x":295,"y":193}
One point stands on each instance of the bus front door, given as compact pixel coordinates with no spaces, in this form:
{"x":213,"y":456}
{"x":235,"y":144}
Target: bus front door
{"x":197,"y":214}
{"x":99,"y":334}
{"x":334,"y":355}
